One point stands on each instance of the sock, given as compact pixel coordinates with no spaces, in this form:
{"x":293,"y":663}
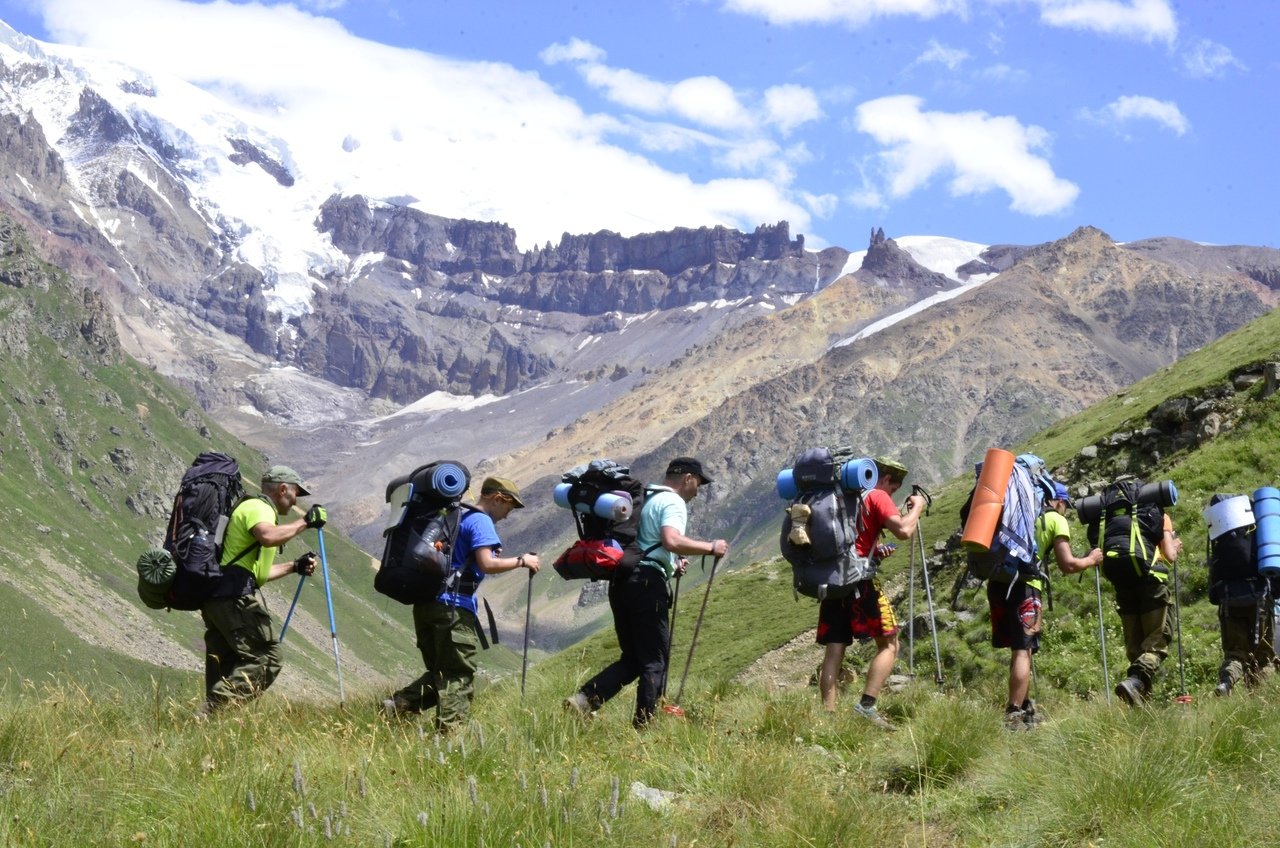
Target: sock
{"x":867,"y":702}
{"x":1010,"y":708}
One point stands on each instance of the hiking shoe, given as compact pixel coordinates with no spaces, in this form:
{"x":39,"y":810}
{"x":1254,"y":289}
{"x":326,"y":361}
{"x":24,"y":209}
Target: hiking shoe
{"x":578,"y":704}
{"x":1222,"y":689}
{"x":396,"y":706}
{"x":1016,"y":720}
{"x":872,"y":715}
{"x":205,"y":710}
{"x":1131,"y":691}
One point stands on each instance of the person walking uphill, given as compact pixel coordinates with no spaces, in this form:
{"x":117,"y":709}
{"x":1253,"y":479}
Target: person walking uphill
{"x":867,"y":613}
{"x":640,"y":599}
{"x":447,"y":629}
{"x":1016,"y":611}
{"x":1146,"y":619}
{"x":242,"y":653}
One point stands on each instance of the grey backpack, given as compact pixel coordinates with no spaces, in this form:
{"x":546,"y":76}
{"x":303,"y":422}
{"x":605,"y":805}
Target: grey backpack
{"x":819,"y":529}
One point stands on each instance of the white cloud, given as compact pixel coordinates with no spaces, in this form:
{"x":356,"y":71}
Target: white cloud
{"x":952,"y":57}
{"x":790,"y":106}
{"x":1137,"y":107}
{"x":709,"y":101}
{"x":480,"y":140}
{"x":575,"y":50}
{"x":980,"y":152}
{"x":1209,"y":59}
{"x":853,"y":13}
{"x":1147,"y":20}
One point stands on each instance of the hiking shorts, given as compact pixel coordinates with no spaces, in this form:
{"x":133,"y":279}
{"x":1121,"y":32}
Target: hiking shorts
{"x":1015,"y":615}
{"x":866,"y":614}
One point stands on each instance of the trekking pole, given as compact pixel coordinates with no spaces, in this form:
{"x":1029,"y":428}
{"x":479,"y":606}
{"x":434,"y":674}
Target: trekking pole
{"x":911,"y":614}
{"x":1102,"y":636}
{"x":333,"y":627}
{"x":933,"y":621}
{"x":1182,"y":698}
{"x":693,"y":643}
{"x":285,"y":627}
{"x":671,"y":636}
{"x":524,"y":664}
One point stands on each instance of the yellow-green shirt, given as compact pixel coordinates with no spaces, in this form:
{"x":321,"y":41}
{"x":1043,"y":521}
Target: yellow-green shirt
{"x":239,"y":537}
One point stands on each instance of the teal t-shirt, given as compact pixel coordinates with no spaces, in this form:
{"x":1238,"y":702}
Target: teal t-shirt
{"x":239,"y":536}
{"x":662,"y":508}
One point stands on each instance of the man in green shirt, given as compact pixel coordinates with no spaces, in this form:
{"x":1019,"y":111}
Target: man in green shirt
{"x":242,"y":654}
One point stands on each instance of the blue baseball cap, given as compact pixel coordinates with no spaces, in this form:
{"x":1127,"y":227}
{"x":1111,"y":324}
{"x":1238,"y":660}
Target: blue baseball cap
{"x":1060,"y":493}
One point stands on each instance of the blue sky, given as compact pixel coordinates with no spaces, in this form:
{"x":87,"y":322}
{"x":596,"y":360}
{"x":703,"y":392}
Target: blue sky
{"x":985,"y":120}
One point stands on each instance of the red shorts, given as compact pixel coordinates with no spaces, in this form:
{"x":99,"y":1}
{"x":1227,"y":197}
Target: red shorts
{"x":866,"y":614}
{"x":1015,"y":615}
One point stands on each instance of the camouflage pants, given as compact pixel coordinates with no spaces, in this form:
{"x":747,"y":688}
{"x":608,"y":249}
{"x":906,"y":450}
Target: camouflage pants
{"x":1146,"y":616}
{"x":242,"y":654}
{"x":448,"y":640}
{"x":1248,"y":647}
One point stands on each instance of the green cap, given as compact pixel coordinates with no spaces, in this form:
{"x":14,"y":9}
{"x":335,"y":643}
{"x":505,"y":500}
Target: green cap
{"x":885,"y":464}
{"x":285,"y":474}
{"x":502,"y":485}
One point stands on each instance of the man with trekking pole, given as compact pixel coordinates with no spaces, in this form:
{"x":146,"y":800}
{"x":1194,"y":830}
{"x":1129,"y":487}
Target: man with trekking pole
{"x":640,"y":599}
{"x":867,"y":613}
{"x":242,"y":654}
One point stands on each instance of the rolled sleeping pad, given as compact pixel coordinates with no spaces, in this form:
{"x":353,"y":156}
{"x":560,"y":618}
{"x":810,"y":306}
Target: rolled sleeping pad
{"x":614,"y":506}
{"x":1266,"y":512}
{"x":786,"y":484}
{"x":1089,"y":509}
{"x":1228,"y":514}
{"x":858,"y":475}
{"x":1163,"y":493}
{"x":988,"y":500}
{"x":449,"y":479}
{"x":561,"y":495}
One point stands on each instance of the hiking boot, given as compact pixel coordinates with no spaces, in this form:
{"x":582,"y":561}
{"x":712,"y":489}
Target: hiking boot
{"x":1030,"y":715}
{"x":578,"y":704}
{"x":1131,"y":690}
{"x":872,"y":715}
{"x":1016,"y":720}
{"x":395,"y":706}
{"x":205,"y":710}
{"x":1222,"y":689}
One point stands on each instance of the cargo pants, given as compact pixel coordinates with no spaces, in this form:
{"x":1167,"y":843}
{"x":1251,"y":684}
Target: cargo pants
{"x":1146,"y":616}
{"x":1248,"y":635}
{"x":242,"y":654}
{"x":449,"y":641}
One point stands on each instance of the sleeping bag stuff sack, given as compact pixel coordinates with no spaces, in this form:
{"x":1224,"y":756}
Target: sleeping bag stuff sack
{"x":1266,"y":511}
{"x":988,"y":500}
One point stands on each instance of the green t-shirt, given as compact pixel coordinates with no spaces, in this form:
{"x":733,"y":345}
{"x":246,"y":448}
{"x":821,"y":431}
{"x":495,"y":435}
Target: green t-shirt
{"x":1049,"y":526}
{"x":239,"y":537}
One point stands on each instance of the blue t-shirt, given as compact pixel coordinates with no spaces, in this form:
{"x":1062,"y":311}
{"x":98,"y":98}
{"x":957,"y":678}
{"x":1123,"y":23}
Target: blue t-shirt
{"x":662,"y":508}
{"x":475,"y":531}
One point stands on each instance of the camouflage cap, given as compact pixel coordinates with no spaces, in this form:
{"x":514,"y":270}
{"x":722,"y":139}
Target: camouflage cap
{"x":884,"y":464}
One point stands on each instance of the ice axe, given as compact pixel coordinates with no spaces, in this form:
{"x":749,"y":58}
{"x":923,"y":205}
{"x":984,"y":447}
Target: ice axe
{"x":675,"y":708}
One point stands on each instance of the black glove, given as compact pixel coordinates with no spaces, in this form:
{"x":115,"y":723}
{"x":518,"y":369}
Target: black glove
{"x":316,"y":516}
{"x":305,"y":564}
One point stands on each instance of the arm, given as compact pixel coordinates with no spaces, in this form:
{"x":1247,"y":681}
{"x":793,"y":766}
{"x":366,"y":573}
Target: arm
{"x":904,"y":525}
{"x":489,"y":563}
{"x":678,"y":543}
{"x":274,"y":535}
{"x":1069,"y":562}
{"x":1170,"y":544}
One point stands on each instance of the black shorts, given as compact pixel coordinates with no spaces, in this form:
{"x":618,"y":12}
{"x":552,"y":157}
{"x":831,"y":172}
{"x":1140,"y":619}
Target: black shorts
{"x":1015,"y":615}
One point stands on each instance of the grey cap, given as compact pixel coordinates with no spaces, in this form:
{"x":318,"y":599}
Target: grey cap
{"x":285,"y":474}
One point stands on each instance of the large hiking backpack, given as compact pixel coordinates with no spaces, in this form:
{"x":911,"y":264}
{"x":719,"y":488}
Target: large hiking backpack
{"x":820,"y":526}
{"x":1013,"y":554}
{"x":422,"y":526}
{"x":1233,"y":566}
{"x":605,"y":501}
{"x":1127,"y":524}
{"x":210,"y":490}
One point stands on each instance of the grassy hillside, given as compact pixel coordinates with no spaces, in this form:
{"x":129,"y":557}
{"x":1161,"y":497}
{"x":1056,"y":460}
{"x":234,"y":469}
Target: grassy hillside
{"x":92,"y":446}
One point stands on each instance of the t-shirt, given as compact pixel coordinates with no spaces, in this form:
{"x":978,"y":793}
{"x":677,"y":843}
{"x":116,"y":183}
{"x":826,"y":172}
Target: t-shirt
{"x":1049,"y":526}
{"x":239,"y":537}
{"x":475,"y":531}
{"x":662,"y":508}
{"x":877,"y":508}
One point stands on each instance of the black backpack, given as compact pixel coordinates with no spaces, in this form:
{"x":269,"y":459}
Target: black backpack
{"x":1233,"y":564}
{"x":606,"y":546}
{"x":820,"y":530}
{"x":209,"y":492}
{"x":1128,"y":531}
{"x":417,"y":556}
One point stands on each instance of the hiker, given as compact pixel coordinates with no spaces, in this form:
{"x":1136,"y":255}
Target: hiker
{"x":242,"y":653}
{"x":639,"y":597}
{"x":1016,"y":610}
{"x":447,"y":628}
{"x":1145,"y":618}
{"x":867,"y":613}
{"x":1244,"y":595}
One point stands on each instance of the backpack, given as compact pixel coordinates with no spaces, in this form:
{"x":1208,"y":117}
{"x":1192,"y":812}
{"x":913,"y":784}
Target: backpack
{"x":605,"y":501}
{"x":1233,"y":565}
{"x":422,"y":526}
{"x":820,"y":528}
{"x":1128,"y":528}
{"x":209,"y":492}
{"x":1013,"y":554}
